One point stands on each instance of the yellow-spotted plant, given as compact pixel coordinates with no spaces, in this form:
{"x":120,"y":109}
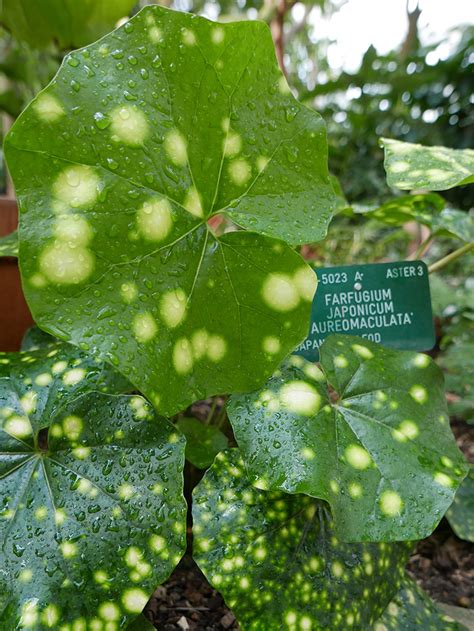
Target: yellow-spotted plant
{"x":123,"y":167}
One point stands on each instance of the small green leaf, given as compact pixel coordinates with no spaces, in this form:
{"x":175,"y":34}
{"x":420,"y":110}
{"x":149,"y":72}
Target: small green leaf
{"x":35,"y":338}
{"x":137,"y":142}
{"x":203,"y":442}
{"x":410,"y":166}
{"x":70,"y":23}
{"x":45,"y":379}
{"x":461,"y":512}
{"x":91,"y":522}
{"x":140,"y":624}
{"x":413,"y":609}
{"x":9,"y":244}
{"x":276,"y":561}
{"x":370,"y":436}
{"x":457,"y":363}
{"x":397,"y":211}
{"x":452,"y":222}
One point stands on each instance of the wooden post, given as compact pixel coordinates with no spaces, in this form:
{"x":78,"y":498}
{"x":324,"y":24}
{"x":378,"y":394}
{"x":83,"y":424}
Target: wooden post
{"x":15,"y":317}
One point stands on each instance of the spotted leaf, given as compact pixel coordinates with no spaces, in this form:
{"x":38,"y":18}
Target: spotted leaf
{"x":123,"y":158}
{"x":253,"y":545}
{"x":461,"y":512}
{"x":370,"y":436}
{"x":9,"y":245}
{"x":203,"y":442}
{"x":410,"y":166}
{"x":36,"y":383}
{"x":35,"y":338}
{"x":68,"y":22}
{"x":413,"y":609}
{"x":398,"y":210}
{"x":91,"y":521}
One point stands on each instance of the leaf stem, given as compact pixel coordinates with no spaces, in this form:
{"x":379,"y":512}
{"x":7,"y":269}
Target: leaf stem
{"x":422,"y":248}
{"x":435,"y":267}
{"x":222,"y":416}
{"x":211,"y":412}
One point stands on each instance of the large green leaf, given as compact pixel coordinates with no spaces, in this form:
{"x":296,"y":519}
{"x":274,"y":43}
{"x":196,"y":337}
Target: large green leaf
{"x":461,"y":512}
{"x":203,"y":442}
{"x":122,"y":159}
{"x":413,"y":609}
{"x":276,"y":561}
{"x":411,"y":166}
{"x":370,"y":436}
{"x":9,"y":244}
{"x":90,"y":524}
{"x":70,"y":23}
{"x":46,"y":378}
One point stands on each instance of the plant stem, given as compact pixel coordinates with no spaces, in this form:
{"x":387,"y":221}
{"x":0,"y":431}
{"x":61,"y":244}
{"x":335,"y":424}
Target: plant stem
{"x":211,"y":412}
{"x":435,"y":267}
{"x":421,"y":249}
{"x":222,"y":416}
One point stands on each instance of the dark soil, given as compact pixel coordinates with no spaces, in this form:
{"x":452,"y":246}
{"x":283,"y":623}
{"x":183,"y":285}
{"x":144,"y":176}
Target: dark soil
{"x":442,"y":564}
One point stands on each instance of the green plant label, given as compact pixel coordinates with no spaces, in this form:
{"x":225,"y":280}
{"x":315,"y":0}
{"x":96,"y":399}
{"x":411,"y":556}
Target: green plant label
{"x":388,"y":303}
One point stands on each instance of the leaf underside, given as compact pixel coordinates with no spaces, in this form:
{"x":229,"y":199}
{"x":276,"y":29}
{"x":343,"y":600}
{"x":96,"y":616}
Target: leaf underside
{"x":253,"y":545}
{"x":123,"y":158}
{"x":370,"y":436}
{"x":411,"y":166}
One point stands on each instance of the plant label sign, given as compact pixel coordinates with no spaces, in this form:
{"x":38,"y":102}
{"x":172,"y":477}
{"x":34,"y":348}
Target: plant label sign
{"x":389,"y":303}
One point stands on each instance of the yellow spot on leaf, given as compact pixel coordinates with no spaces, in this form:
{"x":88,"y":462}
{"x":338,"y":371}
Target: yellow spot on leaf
{"x":74,"y":376}
{"x":391,"y":503}
{"x":300,"y":397}
{"x":358,"y":457}
{"x":72,"y":427}
{"x":129,"y":125}
{"x":144,"y":327}
{"x":18,"y":427}
{"x":182,"y":356}
{"x":129,"y":292}
{"x":155,"y":219}
{"x":216,"y":348}
{"x":232,"y":144}
{"x":239,"y":171}
{"x":176,"y":148}
{"x":271,"y":345}
{"x":77,"y":186}
{"x":192,"y":202}
{"x":280,"y":292}
{"x":48,"y":108}
{"x":64,"y":264}
{"x":306,"y":283}
{"x":134,"y":600}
